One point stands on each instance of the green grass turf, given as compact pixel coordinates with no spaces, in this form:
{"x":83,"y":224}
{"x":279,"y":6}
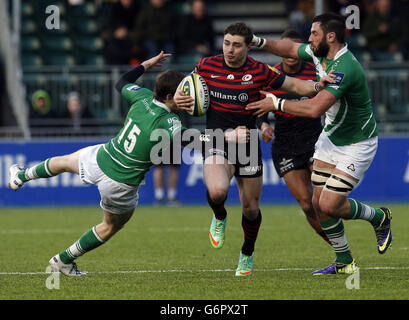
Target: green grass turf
{"x":165,"y":253}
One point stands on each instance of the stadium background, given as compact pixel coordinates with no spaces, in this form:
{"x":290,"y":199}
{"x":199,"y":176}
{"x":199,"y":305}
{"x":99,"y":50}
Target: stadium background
{"x":55,"y":63}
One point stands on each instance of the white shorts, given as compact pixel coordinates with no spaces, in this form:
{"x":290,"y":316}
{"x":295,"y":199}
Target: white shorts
{"x":116,"y":197}
{"x":353,"y":159}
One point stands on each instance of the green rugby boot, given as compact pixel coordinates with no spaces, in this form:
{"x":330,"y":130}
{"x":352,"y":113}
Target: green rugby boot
{"x":216,"y":233}
{"x":245,"y":266}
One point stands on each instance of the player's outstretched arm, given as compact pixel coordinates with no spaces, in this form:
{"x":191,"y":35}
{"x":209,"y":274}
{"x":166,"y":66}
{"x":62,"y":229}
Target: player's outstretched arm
{"x":282,"y":48}
{"x":310,"y":108}
{"x":133,"y":75}
{"x":304,"y":87}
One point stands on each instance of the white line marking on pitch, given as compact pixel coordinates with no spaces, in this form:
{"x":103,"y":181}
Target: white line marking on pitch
{"x":193,"y":271}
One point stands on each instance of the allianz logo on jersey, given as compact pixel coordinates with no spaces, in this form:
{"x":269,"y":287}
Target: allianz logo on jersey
{"x":242,"y":97}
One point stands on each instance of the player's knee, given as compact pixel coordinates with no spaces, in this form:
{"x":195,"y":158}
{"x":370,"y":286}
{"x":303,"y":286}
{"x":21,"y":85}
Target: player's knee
{"x":250,"y":206}
{"x":217,"y":195}
{"x":251,"y":213}
{"x":326,"y":208}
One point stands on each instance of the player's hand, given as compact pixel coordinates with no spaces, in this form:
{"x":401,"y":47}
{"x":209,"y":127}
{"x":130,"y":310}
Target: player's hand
{"x":240,"y":134}
{"x":156,"y":60}
{"x":183,"y":102}
{"x":258,"y":42}
{"x":266,"y":132}
{"x":261,"y":107}
{"x":329,"y":78}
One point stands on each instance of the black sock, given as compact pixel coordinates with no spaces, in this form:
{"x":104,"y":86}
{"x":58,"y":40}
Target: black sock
{"x":250,"y":228}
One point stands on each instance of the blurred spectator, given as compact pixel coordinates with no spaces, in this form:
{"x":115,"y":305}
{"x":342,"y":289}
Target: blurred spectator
{"x":401,"y":8}
{"x":301,"y":18}
{"x":124,"y":13}
{"x":196,"y":31}
{"x":384,"y":32}
{"x":75,"y":2}
{"x":119,"y":45}
{"x":41,"y":111}
{"x":156,"y":26}
{"x":160,"y":184}
{"x":76,"y":113}
{"x":6,"y":112}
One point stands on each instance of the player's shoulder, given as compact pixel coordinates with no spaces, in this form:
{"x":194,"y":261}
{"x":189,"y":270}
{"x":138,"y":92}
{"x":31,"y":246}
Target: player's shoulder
{"x":253,"y":63}
{"x":257,"y":66}
{"x":134,"y":88}
{"x":211,"y":61}
{"x":349,"y":65}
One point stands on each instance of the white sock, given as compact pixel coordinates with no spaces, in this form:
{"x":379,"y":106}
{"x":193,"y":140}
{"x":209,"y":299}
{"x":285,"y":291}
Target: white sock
{"x":172,"y":194}
{"x":159,"y":193}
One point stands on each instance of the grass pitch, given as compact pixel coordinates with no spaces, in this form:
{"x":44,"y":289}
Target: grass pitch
{"x":164,"y":253}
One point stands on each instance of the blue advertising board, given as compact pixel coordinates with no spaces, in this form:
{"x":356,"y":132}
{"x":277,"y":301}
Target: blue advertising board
{"x":387,"y":180}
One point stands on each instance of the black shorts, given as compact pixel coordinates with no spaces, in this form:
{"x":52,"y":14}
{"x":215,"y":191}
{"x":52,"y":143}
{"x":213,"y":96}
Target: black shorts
{"x":284,"y":163}
{"x":244,"y":169}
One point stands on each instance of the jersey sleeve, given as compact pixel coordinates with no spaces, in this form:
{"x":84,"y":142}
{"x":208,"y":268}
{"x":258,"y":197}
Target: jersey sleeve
{"x":305,"y":52}
{"x":275,"y":79}
{"x":132,"y":92}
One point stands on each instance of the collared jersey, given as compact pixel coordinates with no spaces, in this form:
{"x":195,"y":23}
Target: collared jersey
{"x":127,"y":157}
{"x":350,"y":119}
{"x":231,"y":89}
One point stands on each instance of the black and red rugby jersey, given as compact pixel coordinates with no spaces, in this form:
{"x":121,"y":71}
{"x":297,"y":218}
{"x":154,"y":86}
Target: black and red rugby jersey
{"x":295,"y":135}
{"x":231,"y":89}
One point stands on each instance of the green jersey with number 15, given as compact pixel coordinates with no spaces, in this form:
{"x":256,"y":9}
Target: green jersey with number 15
{"x":126,"y":158}
{"x":350,"y":119}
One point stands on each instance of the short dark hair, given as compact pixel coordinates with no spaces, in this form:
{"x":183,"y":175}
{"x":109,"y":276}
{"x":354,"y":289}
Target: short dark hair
{"x":167,"y":83}
{"x":291,"y":34}
{"x":241,"y":29}
{"x":332,"y":22}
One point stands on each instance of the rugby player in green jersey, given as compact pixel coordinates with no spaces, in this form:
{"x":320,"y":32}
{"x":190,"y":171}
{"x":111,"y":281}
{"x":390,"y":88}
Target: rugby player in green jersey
{"x":119,"y":166}
{"x":349,"y":140}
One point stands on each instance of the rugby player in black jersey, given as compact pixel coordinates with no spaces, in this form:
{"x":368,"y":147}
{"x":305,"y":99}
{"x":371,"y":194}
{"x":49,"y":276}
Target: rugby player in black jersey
{"x":294,"y":137}
{"x":235,"y":80}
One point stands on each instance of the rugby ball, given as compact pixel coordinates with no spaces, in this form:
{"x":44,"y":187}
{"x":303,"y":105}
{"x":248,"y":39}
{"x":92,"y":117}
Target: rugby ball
{"x":195,"y":86}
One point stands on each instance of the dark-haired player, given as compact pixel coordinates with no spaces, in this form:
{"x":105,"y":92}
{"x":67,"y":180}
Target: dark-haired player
{"x":234,"y":80}
{"x":117,"y":167}
{"x":348,"y":143}
{"x":294,"y":137}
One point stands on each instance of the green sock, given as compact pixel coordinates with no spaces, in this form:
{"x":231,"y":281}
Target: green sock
{"x":334,"y":229}
{"x":88,"y":241}
{"x":40,"y":170}
{"x":362,"y":211}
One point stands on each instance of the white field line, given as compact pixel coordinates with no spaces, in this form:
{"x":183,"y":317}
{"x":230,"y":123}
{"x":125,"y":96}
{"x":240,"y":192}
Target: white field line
{"x":194,"y":271}
{"x":68,"y":231}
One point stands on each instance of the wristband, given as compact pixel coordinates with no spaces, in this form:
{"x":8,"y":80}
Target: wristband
{"x":278,"y":103}
{"x":316,"y":84}
{"x":280,"y":106}
{"x":259,"y":42}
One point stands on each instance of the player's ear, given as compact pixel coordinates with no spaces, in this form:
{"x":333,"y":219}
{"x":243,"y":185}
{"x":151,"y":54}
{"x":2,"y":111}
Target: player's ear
{"x":169,"y":97}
